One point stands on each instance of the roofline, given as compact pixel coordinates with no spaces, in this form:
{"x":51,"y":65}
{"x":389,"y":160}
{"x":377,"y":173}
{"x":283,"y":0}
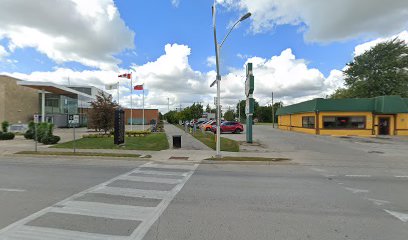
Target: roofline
{"x":31,"y":84}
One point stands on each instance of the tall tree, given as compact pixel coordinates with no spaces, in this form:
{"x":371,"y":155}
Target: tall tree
{"x":382,"y":70}
{"x":102,"y":113}
{"x":229,"y":115}
{"x":241,"y":105}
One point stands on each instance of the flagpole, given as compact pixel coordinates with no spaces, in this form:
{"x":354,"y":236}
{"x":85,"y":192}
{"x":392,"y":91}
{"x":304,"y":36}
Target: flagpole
{"x":131,"y":103}
{"x":118,"y":92}
{"x":143,"y":109}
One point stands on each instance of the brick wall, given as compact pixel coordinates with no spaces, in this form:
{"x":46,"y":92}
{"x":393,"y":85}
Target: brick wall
{"x":138,"y":114}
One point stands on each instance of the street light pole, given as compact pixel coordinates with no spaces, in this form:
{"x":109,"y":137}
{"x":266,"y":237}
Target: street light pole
{"x":218,"y":77}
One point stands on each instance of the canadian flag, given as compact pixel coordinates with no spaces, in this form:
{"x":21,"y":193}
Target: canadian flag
{"x":126,"y":75}
{"x":138,"y":87}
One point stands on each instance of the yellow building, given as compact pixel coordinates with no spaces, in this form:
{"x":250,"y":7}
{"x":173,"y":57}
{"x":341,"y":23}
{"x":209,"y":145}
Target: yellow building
{"x":385,"y":115}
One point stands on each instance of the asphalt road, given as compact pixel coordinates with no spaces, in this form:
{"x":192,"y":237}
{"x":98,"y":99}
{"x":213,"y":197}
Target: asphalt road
{"x":334,"y":188}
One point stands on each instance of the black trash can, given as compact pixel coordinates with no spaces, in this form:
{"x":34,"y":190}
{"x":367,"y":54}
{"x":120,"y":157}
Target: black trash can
{"x":176,"y":141}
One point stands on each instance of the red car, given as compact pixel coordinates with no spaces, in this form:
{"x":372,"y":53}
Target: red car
{"x":231,"y":127}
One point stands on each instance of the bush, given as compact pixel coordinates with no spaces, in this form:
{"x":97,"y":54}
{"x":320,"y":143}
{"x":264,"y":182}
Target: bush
{"x":6,"y":136}
{"x":29,"y":134}
{"x":51,"y":140}
{"x":4,"y":126}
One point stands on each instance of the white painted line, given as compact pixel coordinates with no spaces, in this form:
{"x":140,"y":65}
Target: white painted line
{"x":318,"y":170}
{"x":401,"y":216}
{"x":340,"y":183}
{"x":355,"y":190}
{"x":133,"y":192}
{"x":161,"y":173}
{"x":144,"y":227}
{"x":105,"y":210}
{"x":401,"y":176}
{"x":378,"y":202}
{"x":172,"y":166}
{"x":36,"y":233}
{"x":351,"y":175}
{"x":16,"y":225}
{"x":12,"y":190}
{"x":151,"y":179}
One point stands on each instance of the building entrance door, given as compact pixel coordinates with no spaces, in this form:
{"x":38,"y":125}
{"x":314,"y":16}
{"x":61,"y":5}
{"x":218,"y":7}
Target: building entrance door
{"x":384,"y":126}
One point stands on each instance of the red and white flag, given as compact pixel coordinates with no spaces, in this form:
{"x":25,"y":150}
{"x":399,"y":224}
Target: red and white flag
{"x":138,"y":87}
{"x":126,"y":75}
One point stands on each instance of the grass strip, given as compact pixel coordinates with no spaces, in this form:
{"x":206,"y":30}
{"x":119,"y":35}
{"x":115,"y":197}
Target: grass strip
{"x":208,"y":139}
{"x":151,"y":142}
{"x":249,"y":159}
{"x":87,"y":154}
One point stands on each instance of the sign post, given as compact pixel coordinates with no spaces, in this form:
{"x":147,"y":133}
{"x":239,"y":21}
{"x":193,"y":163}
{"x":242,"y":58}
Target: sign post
{"x":250,"y":102}
{"x":73,"y":120}
{"x":119,"y":128}
{"x":36,"y":121}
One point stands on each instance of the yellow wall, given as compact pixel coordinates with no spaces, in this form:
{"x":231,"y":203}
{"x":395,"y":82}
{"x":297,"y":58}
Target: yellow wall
{"x":293,"y":122}
{"x":402,"y":124}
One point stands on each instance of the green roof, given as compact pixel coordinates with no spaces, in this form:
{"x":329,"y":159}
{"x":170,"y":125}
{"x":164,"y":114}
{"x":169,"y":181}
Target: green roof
{"x":380,"y":105}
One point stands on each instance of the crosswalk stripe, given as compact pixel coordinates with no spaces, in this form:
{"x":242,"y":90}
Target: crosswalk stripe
{"x":41,"y":233}
{"x":133,"y":192}
{"x":172,"y":166}
{"x":150,"y":179}
{"x":161,"y":172}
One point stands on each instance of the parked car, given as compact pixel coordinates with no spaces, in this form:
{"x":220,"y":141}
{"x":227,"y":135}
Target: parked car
{"x":229,"y":127}
{"x":207,"y":126}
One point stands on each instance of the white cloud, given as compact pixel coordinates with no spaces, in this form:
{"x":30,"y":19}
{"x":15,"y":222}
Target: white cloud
{"x":327,"y":20}
{"x":171,"y":76}
{"x":175,"y":3}
{"x":360,"y":49}
{"x":211,"y":61}
{"x":3,"y":52}
{"x":89,"y":32}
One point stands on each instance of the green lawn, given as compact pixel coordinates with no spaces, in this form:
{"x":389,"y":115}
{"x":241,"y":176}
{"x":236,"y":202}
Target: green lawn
{"x":153,"y":142}
{"x":209,"y":140}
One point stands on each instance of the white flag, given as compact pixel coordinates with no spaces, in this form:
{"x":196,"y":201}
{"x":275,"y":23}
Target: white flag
{"x":111,"y":86}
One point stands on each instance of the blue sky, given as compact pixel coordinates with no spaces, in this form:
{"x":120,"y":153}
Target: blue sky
{"x":298,"y":50}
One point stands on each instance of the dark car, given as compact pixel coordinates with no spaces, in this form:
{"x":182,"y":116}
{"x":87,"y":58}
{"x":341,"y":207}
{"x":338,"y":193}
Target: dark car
{"x":229,"y":127}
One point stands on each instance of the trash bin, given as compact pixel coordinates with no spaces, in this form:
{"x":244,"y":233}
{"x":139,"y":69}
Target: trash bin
{"x":176,"y":141}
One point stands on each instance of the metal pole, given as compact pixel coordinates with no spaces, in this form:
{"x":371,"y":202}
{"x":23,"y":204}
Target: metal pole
{"x":73,"y":143}
{"x":218,"y":79}
{"x":35,"y":136}
{"x":143,"y":110}
{"x":131,"y":104}
{"x":273,"y":114}
{"x":43,"y":106}
{"x":239,"y":111}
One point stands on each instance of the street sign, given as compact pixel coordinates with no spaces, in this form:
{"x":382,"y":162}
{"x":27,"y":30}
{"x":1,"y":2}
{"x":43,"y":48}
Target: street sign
{"x":119,"y":133}
{"x":249,"y":106}
{"x":249,"y":82}
{"x":73,"y":119}
{"x":36,"y":118}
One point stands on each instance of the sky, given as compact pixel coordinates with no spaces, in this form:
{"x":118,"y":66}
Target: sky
{"x":298,"y":47}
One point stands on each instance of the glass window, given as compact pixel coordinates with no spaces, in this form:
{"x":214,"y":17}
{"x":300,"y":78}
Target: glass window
{"x":344,"y":122}
{"x":308,"y":122}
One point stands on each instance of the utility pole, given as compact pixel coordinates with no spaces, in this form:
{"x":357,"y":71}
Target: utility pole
{"x":168,"y":104}
{"x":239,"y":111}
{"x":273,"y":114}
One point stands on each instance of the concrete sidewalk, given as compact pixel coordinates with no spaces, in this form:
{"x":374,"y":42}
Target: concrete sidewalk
{"x":188,"y":142}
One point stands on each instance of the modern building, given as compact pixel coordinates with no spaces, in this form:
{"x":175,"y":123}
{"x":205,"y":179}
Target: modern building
{"x":150,"y":116}
{"x":21,"y":100}
{"x":385,"y":115}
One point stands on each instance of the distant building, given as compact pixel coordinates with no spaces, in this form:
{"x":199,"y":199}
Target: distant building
{"x":150,"y":115}
{"x":21,"y":100}
{"x":385,"y":115}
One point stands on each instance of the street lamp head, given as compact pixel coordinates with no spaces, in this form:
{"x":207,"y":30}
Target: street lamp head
{"x":245,"y":17}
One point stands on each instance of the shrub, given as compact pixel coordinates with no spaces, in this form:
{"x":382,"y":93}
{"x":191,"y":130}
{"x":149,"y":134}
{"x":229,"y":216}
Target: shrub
{"x":7,"y":136}
{"x":4,"y":126}
{"x":52,"y":139}
{"x":29,"y":134}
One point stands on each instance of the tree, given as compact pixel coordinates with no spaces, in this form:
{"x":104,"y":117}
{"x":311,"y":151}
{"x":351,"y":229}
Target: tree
{"x":229,"y":115}
{"x":264,"y":114}
{"x":102,"y":113}
{"x":208,"y":108}
{"x":382,"y":70}
{"x":242,"y":105}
